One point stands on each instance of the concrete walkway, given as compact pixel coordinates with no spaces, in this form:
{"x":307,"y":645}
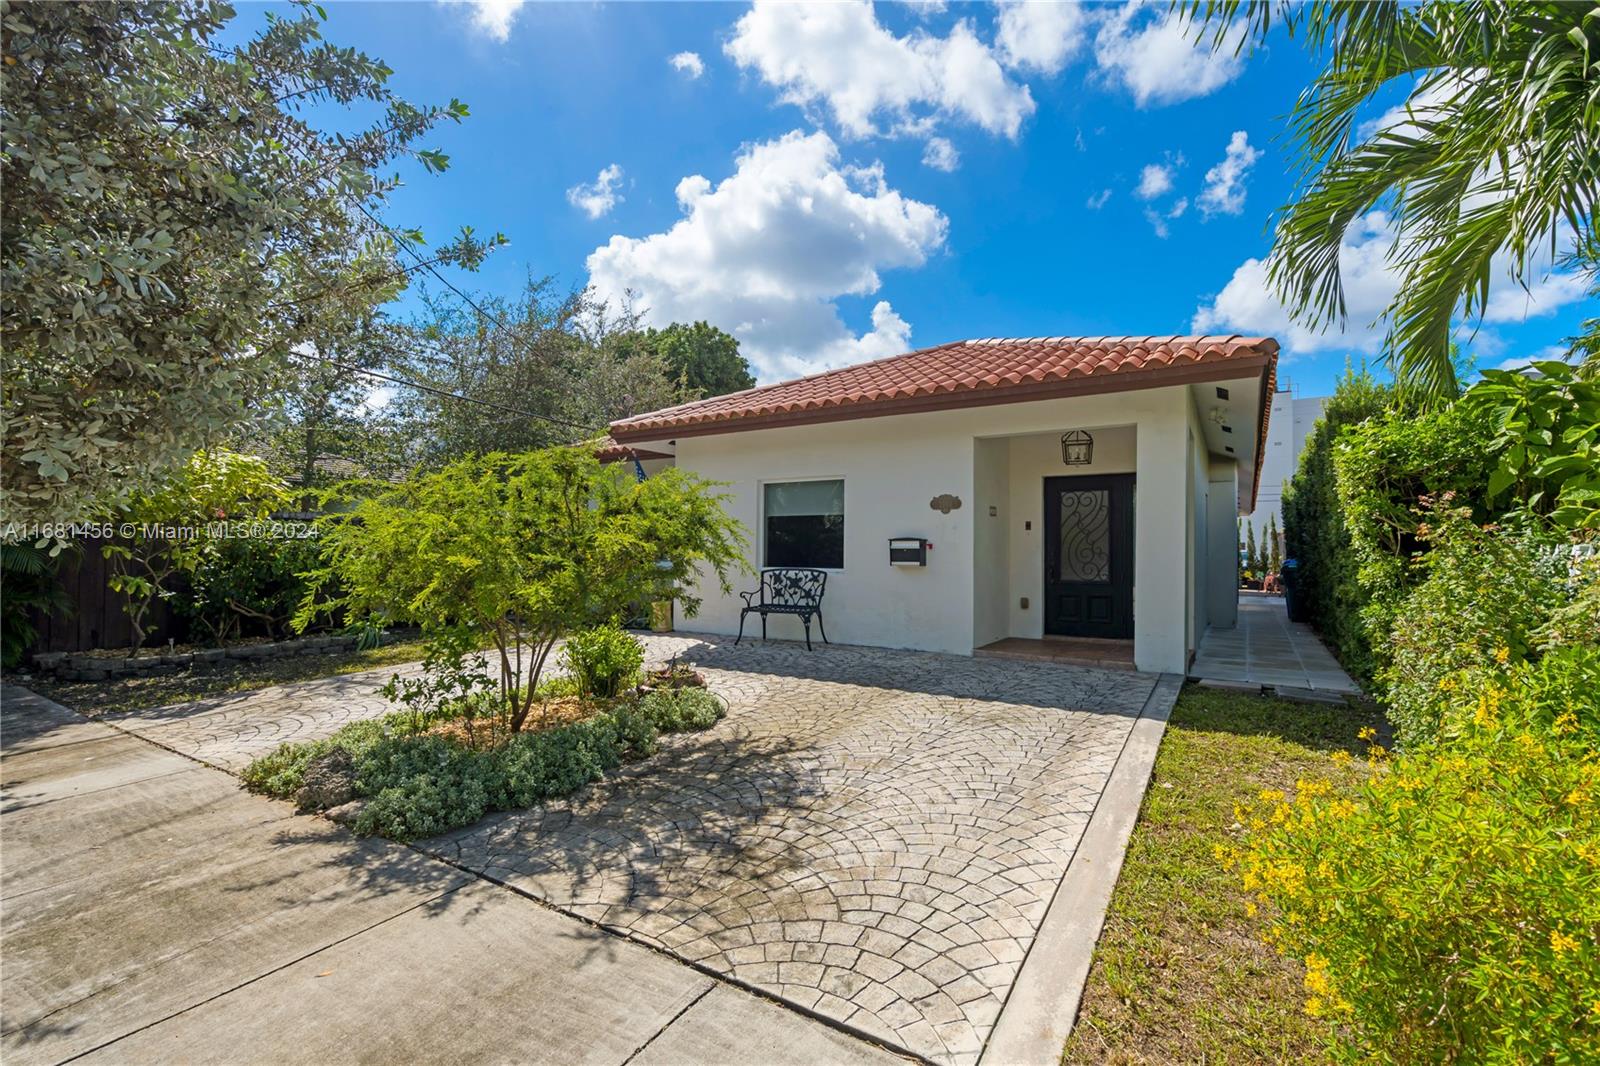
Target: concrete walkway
{"x":1268,"y":650}
{"x":913,"y":848}
{"x":153,"y":912}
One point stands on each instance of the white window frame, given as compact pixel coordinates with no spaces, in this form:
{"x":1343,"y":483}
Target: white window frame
{"x":761,"y":515}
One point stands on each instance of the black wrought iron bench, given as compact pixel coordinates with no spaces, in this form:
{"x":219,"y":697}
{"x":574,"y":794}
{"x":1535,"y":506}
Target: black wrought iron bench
{"x":787,"y":590}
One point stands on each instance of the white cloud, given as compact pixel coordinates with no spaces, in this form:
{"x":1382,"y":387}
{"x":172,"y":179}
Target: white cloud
{"x":1224,"y":191}
{"x":940,"y":154}
{"x":766,"y":252}
{"x":1157,"y":223}
{"x":495,"y":17}
{"x":1098,"y":200}
{"x":1158,"y":59}
{"x":1248,"y":304}
{"x":1558,"y":352}
{"x":1512,"y":303}
{"x":1179,"y":207}
{"x":1040,"y":34}
{"x":839,"y":57}
{"x":689,"y":64}
{"x":599,"y":196}
{"x":1154,"y":180}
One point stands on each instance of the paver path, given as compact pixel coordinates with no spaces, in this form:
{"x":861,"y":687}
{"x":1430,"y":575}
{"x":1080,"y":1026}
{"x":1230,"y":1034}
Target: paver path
{"x":870,"y":835}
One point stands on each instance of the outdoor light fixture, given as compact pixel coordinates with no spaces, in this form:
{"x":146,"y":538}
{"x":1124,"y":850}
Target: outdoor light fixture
{"x":1077,"y":448}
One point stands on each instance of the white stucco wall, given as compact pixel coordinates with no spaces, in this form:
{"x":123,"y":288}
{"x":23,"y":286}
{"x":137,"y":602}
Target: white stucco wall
{"x":980,"y":565}
{"x":1032,"y":458}
{"x":1222,"y":568}
{"x":991,"y":520}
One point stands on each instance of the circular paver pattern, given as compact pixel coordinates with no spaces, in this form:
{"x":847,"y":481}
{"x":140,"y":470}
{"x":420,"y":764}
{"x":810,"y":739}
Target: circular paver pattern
{"x":872,"y":835}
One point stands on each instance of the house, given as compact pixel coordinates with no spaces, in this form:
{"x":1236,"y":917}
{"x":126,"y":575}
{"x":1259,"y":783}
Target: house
{"x":1065,"y":488}
{"x":1293,"y":419}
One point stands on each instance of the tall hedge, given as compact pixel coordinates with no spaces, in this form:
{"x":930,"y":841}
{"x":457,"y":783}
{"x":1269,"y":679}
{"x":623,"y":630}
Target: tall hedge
{"x":1385,"y":469}
{"x":1314,"y":529}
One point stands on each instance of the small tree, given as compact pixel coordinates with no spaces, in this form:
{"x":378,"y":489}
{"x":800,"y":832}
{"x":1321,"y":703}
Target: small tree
{"x":1274,"y":552}
{"x":170,"y":525}
{"x":513,"y":552}
{"x":1252,"y":556}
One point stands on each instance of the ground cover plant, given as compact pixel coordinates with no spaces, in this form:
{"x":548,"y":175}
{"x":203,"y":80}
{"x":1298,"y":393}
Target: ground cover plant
{"x":1179,"y":974}
{"x":416,"y":773}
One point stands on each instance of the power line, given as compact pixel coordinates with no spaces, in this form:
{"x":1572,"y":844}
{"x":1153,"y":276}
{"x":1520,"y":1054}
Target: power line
{"x":450,"y":395}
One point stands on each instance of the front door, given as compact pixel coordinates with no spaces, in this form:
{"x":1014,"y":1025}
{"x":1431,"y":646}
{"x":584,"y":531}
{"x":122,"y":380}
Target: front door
{"x":1088,"y":556}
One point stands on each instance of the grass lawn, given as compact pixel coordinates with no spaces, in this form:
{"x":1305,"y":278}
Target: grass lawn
{"x":217,"y":679}
{"x":1180,"y":974}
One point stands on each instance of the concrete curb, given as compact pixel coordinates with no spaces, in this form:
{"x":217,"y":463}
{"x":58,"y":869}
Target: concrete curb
{"x":1043,"y":1004}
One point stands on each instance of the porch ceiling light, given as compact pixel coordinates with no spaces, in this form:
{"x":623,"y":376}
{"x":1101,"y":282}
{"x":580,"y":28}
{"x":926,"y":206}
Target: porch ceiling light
{"x":1077,"y":448}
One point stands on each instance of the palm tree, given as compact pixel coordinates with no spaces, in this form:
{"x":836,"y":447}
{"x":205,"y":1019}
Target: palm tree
{"x":1493,"y":163}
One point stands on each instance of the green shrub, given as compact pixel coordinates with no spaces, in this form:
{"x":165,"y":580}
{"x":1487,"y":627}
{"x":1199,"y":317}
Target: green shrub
{"x":604,"y":659}
{"x":1385,"y":469}
{"x":418,"y":786}
{"x":1448,"y":909}
{"x":533,"y":767}
{"x":1487,"y":593}
{"x":682,"y":709}
{"x":1314,"y":529}
{"x":281,"y":772}
{"x":636,"y":730}
{"x":244,"y":584}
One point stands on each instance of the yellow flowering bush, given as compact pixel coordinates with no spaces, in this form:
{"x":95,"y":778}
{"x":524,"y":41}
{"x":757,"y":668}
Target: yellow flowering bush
{"x":1447,"y":908}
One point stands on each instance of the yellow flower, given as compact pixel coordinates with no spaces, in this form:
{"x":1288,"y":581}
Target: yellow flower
{"x":1271,"y":795}
{"x":1561,"y":942}
{"x":1502,"y":654}
{"x":1341,"y":758}
{"x":1367,"y":732}
{"x":1566,"y":722}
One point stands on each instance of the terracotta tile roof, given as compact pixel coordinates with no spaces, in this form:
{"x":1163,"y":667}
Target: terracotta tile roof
{"x":607,"y":450}
{"x":974,"y":373}
{"x":962,"y":374}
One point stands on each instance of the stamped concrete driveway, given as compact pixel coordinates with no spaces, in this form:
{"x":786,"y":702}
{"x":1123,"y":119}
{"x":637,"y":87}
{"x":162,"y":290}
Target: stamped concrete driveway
{"x":870,"y":837}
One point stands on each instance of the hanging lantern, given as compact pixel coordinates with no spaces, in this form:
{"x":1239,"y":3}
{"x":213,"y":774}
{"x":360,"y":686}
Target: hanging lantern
{"x":1077,"y":448}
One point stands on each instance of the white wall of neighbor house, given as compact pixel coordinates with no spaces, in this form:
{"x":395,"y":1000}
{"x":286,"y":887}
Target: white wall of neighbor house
{"x":1222,"y":568}
{"x":981,"y":564}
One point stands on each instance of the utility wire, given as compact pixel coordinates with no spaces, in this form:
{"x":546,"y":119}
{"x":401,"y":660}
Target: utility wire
{"x":447,"y":394}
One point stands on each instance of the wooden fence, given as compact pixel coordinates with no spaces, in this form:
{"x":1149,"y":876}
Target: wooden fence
{"x":97,"y":619}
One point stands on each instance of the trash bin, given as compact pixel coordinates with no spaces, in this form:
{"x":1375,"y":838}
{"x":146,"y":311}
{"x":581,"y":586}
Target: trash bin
{"x":1293,"y":601}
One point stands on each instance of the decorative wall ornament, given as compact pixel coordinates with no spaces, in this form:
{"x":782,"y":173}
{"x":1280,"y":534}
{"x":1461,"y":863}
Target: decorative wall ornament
{"x":944,"y":503}
{"x":1077,"y":448}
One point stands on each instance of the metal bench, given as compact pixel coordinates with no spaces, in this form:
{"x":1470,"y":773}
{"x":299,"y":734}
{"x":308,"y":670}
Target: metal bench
{"x":787,"y":590}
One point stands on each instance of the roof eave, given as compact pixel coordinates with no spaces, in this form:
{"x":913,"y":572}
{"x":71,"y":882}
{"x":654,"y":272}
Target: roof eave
{"x":1233,"y":368}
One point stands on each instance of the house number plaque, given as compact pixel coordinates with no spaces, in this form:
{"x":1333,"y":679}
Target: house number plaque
{"x":944,"y":503}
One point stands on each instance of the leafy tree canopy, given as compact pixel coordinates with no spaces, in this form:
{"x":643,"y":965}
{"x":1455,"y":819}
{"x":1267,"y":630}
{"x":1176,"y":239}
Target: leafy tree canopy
{"x":1493,"y":163}
{"x":536,"y":369}
{"x":174,"y":228}
{"x":513,"y":552}
{"x":701,"y":358}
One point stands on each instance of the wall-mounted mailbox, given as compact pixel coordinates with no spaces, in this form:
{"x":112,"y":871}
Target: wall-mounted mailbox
{"x":908,"y":551}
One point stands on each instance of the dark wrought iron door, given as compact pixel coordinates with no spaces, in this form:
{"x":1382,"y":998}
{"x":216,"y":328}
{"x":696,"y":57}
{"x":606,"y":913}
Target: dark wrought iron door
{"x":1088,"y":556}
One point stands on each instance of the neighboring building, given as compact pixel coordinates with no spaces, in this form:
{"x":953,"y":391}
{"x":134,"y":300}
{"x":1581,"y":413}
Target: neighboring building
{"x":961,"y":445}
{"x":1292,"y":420}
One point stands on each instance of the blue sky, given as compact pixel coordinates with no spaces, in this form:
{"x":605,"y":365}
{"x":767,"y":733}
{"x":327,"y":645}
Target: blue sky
{"x":834,"y":182}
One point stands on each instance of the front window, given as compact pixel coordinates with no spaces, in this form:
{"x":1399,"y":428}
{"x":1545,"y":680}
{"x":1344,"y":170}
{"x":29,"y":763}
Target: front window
{"x":804,"y":524}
